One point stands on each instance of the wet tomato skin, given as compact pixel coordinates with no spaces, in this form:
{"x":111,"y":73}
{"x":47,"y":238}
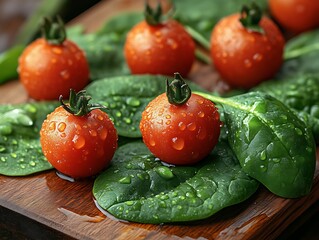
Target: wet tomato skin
{"x":180,"y":135}
{"x":245,"y":58}
{"x":48,"y":70}
{"x":78,"y":146}
{"x":164,"y":49}
{"x":296,"y":15}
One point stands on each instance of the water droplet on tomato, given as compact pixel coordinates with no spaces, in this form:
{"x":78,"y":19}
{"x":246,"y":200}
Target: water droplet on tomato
{"x":181,"y":126}
{"x":152,"y":142}
{"x":70,"y":62}
{"x":100,"y":117}
{"x":202,"y":133}
{"x":191,"y":126}
{"x":103,"y":134}
{"x":79,"y":141}
{"x":54,"y":60}
{"x":178,"y":143}
{"x":158,"y":34}
{"x":200,"y":101}
{"x":57,"y":50}
{"x":172,"y":43}
{"x":247,"y":63}
{"x":258,"y":57}
{"x":52,"y":126}
{"x":93,"y":133}
{"x":61,"y":126}
{"x":65,"y":74}
{"x":201,"y":114}
{"x":78,"y":56}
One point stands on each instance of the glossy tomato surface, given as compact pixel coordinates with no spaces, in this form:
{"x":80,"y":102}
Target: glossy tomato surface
{"x":182,"y":134}
{"x":78,"y":146}
{"x":245,"y":58}
{"x":161,"y":49}
{"x":48,"y":71}
{"x":296,"y":15}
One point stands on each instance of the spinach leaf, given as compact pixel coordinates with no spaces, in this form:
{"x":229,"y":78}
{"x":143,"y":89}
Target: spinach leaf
{"x":104,"y":49}
{"x":138,"y":187}
{"x":272,"y":144}
{"x":204,"y":14}
{"x":121,"y":24}
{"x":104,"y":54}
{"x":9,"y":63}
{"x":126,"y":98}
{"x":301,"y":93}
{"x":20,"y":149}
{"x":301,"y":55}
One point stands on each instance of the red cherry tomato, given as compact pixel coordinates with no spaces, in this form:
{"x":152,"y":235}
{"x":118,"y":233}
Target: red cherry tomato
{"x":48,"y":70}
{"x":78,"y":146}
{"x":244,"y":57}
{"x":164,"y":49}
{"x":180,"y":134}
{"x":296,"y":15}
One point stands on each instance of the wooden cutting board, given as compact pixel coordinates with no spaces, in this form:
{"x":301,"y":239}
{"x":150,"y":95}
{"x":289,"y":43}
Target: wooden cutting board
{"x":44,"y":206}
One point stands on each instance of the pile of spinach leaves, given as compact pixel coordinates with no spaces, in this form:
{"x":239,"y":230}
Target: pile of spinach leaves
{"x":263,"y":129}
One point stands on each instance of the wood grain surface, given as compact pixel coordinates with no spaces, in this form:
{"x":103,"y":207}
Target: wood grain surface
{"x":54,"y":206}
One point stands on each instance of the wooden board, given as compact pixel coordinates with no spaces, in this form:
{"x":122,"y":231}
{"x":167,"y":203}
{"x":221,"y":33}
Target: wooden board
{"x":45,"y":204}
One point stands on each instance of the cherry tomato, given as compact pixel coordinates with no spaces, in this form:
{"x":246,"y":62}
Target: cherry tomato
{"x":159,"y":48}
{"x":48,"y":69}
{"x":180,"y":134}
{"x":296,"y":15}
{"x":246,"y":57}
{"x":78,"y":146}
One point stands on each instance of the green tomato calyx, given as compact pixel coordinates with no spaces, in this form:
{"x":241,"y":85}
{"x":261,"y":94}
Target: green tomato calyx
{"x":250,"y":18}
{"x":79,"y":103}
{"x":53,"y":31}
{"x":155,"y":16}
{"x":177,"y":92}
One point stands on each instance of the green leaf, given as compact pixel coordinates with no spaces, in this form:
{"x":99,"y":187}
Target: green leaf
{"x":203,"y":15}
{"x":121,"y":24}
{"x":104,"y":54}
{"x":9,"y":63}
{"x":138,"y":187}
{"x":272,"y":144}
{"x":20,"y":149}
{"x":301,"y":55}
{"x":301,"y":93}
{"x":104,"y":49}
{"x":126,"y":98}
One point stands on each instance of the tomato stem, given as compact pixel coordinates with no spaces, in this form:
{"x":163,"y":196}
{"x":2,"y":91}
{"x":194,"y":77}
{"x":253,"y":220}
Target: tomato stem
{"x":53,"y":32}
{"x":250,"y":18}
{"x":177,"y":92}
{"x":79,"y":103}
{"x":155,"y":16}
